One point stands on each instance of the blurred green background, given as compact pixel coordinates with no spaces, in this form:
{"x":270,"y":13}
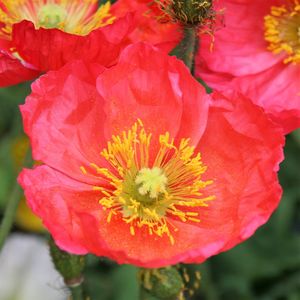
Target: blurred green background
{"x":266,"y":267}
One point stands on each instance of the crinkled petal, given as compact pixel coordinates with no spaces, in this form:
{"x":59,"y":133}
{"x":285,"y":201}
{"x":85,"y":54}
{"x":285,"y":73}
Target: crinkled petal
{"x":50,"y":49}
{"x":57,"y":199}
{"x":159,"y":90}
{"x":12,"y":71}
{"x":239,"y":48}
{"x":147,"y":250}
{"x":242,"y":149}
{"x":277,"y":90}
{"x":5,"y":45}
{"x":63,"y":116}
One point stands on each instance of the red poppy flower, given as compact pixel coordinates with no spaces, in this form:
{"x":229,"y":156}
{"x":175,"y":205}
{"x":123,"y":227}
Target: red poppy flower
{"x":37,"y":36}
{"x":141,"y":169}
{"x":150,"y":25}
{"x":258,"y":52}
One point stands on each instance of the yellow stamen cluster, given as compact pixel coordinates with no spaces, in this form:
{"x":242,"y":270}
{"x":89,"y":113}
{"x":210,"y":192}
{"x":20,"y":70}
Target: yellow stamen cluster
{"x":147,"y":190}
{"x":72,"y":16}
{"x":282,"y":30}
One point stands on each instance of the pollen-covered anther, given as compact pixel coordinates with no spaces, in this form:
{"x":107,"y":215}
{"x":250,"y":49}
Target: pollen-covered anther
{"x":282,"y":30}
{"x":149,"y":190}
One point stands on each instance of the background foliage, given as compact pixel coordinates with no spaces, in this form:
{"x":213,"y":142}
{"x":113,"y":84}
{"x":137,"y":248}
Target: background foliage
{"x":266,"y":267}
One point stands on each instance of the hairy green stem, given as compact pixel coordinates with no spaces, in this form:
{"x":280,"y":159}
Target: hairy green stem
{"x":12,"y":205}
{"x":71,"y":267}
{"x":77,"y":292}
{"x":187,"y":48}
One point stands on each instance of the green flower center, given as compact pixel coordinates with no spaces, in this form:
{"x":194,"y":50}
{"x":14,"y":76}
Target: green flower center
{"x":51,"y":15}
{"x":151,"y":183}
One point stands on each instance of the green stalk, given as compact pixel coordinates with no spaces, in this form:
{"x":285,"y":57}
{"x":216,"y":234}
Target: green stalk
{"x":12,"y":205}
{"x":71,"y":267}
{"x":9,"y":213}
{"x":76,"y":292}
{"x":188,"y":46}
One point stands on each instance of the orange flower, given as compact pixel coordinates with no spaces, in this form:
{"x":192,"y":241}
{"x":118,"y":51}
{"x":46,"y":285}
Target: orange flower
{"x":147,"y":168}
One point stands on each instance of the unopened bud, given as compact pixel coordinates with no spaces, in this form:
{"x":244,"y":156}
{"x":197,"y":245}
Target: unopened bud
{"x":163,"y":283}
{"x":68,"y":265}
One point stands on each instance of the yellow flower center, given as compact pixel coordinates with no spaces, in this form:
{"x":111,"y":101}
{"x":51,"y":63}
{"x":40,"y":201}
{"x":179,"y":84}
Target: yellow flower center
{"x":72,"y":16}
{"x":282,"y":30}
{"x":151,"y":191}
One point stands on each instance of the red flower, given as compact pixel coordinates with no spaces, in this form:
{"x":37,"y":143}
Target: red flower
{"x":37,"y":36}
{"x":258,"y":52}
{"x":143,"y":170}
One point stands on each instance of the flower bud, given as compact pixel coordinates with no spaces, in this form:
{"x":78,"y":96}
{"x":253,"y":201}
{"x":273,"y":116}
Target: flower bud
{"x":163,"y":283}
{"x":68,"y":265}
